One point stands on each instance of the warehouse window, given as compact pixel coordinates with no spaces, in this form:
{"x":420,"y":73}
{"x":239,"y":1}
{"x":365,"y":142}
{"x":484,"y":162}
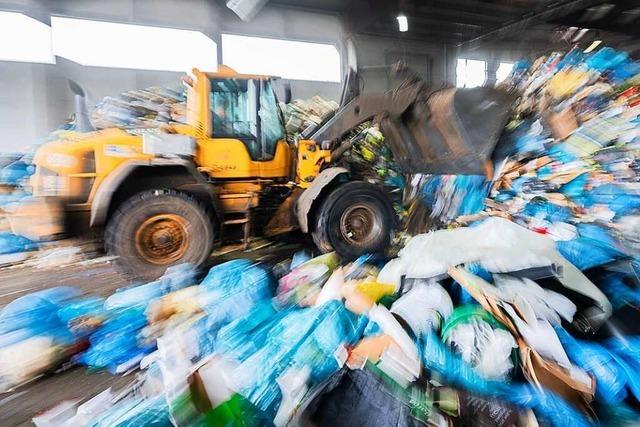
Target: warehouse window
{"x":470,"y":73}
{"x":283,"y":58}
{"x":107,"y":44}
{"x":33,"y":39}
{"x":503,"y":71}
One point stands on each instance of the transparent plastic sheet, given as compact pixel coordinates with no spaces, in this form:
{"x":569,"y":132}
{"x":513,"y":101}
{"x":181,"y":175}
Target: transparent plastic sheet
{"x":149,"y":412}
{"x":176,"y":277}
{"x":232,"y":289}
{"x":458,"y":373}
{"x":136,"y":410}
{"x":598,"y":361}
{"x":424,"y":307}
{"x":481,"y":341}
{"x":303,"y":337}
{"x":247,"y":334}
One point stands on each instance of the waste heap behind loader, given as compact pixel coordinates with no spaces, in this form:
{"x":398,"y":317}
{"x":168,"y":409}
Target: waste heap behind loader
{"x":167,"y":195}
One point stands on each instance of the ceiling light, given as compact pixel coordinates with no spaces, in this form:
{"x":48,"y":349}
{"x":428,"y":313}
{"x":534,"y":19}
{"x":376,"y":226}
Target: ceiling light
{"x":592,"y":46}
{"x":403,"y":24}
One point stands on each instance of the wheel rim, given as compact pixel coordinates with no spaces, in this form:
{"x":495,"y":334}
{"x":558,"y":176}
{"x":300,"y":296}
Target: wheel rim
{"x":162,"y":239}
{"x":360,"y":225}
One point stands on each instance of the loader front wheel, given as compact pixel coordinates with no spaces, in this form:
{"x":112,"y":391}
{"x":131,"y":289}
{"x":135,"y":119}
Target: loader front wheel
{"x":355,"y":218}
{"x":156,"y":229}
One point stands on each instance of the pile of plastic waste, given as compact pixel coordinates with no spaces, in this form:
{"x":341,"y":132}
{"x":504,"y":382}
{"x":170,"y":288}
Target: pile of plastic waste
{"x":523,"y":312}
{"x":573,"y":169}
{"x":486,"y":323}
{"x":144,"y":108}
{"x":567,"y":164}
{"x":302,"y":113}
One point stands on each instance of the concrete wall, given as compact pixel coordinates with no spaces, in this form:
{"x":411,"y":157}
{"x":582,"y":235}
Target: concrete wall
{"x":375,"y":54}
{"x":434,"y":61}
{"x":35,"y":99}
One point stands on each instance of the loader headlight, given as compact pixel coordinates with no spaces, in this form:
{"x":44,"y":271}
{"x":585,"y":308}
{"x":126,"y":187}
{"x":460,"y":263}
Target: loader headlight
{"x":60,"y":160}
{"x":48,"y":183}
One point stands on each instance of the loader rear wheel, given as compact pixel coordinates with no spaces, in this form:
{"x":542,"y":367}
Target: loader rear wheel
{"x":354,"y":219}
{"x":156,"y":229}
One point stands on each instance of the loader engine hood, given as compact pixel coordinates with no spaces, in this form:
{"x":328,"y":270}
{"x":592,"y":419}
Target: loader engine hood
{"x":68,"y":167}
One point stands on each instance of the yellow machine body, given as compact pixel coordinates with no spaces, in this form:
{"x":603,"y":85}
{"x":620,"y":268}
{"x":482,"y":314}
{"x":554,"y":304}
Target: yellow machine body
{"x":75,"y":166}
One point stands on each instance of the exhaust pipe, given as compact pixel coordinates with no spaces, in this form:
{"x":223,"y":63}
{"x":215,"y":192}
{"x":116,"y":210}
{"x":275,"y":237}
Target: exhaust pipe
{"x":82,"y":118}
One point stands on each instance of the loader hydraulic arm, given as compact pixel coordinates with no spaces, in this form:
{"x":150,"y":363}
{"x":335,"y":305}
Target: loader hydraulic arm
{"x":364,"y":108}
{"x":443,"y":131}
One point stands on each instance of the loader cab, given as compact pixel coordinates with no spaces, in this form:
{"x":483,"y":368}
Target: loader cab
{"x":238,"y":125}
{"x":246,"y":110}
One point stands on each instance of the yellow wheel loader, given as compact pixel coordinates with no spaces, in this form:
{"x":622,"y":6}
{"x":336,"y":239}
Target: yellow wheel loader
{"x":166,"y":196}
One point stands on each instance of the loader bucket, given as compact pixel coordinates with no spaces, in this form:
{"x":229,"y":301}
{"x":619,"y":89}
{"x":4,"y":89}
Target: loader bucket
{"x":453,"y":131}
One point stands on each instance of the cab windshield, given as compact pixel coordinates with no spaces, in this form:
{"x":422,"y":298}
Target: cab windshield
{"x":247,"y":110}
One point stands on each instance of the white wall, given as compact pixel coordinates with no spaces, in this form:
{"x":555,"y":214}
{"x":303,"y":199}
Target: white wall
{"x":374,"y":53}
{"x":35,"y":98}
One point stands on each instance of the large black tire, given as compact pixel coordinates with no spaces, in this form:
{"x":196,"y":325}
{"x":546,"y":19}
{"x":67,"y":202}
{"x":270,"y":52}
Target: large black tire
{"x":354,"y":219}
{"x":155,"y":229}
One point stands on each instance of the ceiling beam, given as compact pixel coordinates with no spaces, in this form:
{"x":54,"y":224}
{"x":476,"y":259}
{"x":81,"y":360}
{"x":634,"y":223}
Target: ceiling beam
{"x":453,"y":15}
{"x":481,"y":8}
{"x":547,"y":14}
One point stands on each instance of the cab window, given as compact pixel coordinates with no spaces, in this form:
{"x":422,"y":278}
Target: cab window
{"x":272,"y":129}
{"x":233,"y":107}
{"x":246,"y":110}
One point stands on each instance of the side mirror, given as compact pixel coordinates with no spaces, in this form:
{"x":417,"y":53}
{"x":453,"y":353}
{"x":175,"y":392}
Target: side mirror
{"x":287,"y":92}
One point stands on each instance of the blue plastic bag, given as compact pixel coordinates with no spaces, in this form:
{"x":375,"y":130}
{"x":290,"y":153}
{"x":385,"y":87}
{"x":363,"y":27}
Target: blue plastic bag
{"x":584,"y":254}
{"x":11,"y":243}
{"x":117,"y":340}
{"x":599,"y":362}
{"x":36,"y":310}
{"x":455,"y":371}
{"x":232,"y":289}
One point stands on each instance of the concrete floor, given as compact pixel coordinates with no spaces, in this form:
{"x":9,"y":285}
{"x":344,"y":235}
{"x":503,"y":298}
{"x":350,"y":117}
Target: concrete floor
{"x":19,"y":406}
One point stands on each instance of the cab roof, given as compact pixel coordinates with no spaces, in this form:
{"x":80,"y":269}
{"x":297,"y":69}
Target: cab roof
{"x":225,"y":72}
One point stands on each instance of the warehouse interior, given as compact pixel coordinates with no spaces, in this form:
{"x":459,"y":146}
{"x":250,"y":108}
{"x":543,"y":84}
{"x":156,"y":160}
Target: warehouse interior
{"x":36,"y":96}
{"x":319,"y":212}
